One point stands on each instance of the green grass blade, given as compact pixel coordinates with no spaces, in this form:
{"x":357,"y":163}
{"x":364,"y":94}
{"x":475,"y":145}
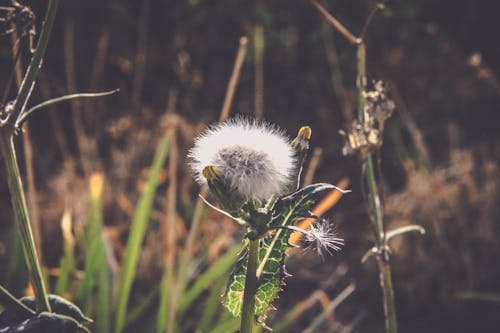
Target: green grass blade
{"x":211,"y":306}
{"x":17,"y":273}
{"x":140,"y":309}
{"x":68,"y":262}
{"x":138,"y":229}
{"x":103,"y":307}
{"x":104,"y":297}
{"x":93,"y":244}
{"x":162,"y":316}
{"x":228,"y":326}
{"x":203,"y":282}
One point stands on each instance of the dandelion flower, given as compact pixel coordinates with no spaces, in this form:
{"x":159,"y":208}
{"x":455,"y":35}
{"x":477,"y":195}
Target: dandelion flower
{"x":321,"y":237}
{"x":255,"y":159}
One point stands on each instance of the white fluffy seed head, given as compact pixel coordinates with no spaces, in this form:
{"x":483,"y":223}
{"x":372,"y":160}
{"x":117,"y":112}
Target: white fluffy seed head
{"x":254,"y":158}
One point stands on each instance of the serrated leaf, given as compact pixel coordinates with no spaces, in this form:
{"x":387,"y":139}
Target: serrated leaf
{"x":271,"y":270}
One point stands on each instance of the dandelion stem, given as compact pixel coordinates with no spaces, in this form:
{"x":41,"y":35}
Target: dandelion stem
{"x":247,"y":312}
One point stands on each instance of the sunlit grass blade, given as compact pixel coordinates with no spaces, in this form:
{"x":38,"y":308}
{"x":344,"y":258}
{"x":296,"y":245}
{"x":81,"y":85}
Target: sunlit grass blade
{"x":211,"y":306}
{"x":162,"y":318}
{"x":214,"y":272}
{"x":138,"y":229}
{"x":103,"y":307}
{"x":93,"y":243}
{"x":67,"y":263}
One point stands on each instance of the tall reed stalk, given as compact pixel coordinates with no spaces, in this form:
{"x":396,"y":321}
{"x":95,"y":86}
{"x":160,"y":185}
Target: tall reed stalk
{"x":7,"y":131}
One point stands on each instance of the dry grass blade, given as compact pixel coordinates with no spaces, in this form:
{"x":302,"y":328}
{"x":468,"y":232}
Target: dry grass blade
{"x":233,"y":81}
{"x":315,"y":324}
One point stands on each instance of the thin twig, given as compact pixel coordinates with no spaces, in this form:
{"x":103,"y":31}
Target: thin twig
{"x":412,"y":127}
{"x":336,"y":23}
{"x":235,"y":76}
{"x":258,"y":65}
{"x":140,"y":56}
{"x":82,"y":140}
{"x":336,"y":72}
{"x":379,"y":6}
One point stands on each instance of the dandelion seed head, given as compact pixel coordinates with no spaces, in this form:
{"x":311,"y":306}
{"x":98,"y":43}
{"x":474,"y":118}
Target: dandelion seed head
{"x":256,"y":159}
{"x":322,"y":237}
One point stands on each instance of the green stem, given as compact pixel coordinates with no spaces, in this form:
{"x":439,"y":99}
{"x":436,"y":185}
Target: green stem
{"x":391,"y":323}
{"x":22,"y":219}
{"x":15,"y":306}
{"x":248,"y":307}
{"x":36,"y":62}
{"x":375,"y":206}
{"x":9,"y":157}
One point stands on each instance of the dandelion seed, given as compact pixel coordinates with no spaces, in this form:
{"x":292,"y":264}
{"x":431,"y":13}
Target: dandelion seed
{"x":321,"y":237}
{"x":255,"y":159}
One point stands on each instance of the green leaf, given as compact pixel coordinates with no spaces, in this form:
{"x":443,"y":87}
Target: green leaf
{"x":271,"y":270}
{"x":137,"y":232}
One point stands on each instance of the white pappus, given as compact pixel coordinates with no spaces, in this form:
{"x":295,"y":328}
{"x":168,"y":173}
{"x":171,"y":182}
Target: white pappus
{"x":256,"y":159}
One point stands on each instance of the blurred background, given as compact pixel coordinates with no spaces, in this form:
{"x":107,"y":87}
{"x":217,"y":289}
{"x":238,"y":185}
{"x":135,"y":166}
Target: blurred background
{"x":172,"y":61}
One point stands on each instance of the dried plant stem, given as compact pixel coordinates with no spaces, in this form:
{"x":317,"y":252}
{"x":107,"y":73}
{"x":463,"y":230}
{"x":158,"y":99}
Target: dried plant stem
{"x":247,"y":310}
{"x":22,"y":220}
{"x":84,"y":143}
{"x":140,"y":55}
{"x":259,"y":45}
{"x":233,"y":81}
{"x":336,"y":23}
{"x":376,"y":207}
